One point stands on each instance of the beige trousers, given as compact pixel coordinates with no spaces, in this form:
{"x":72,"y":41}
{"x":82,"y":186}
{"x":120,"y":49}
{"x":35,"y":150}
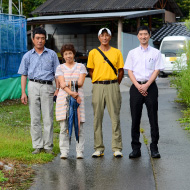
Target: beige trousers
{"x":107,"y":95}
{"x":64,"y":139}
{"x":40,"y":98}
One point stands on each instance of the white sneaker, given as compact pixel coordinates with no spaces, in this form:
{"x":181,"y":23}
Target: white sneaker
{"x":97,"y":154}
{"x":64,"y":156}
{"x":118,"y":154}
{"x":80,"y":155}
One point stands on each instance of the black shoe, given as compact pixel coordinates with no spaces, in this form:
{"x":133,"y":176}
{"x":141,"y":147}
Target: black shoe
{"x":49,"y":151}
{"x":37,"y":151}
{"x":135,"y":154}
{"x":155,"y":154}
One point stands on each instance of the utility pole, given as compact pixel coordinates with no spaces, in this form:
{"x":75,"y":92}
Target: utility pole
{"x":10,"y":7}
{"x":19,"y":8}
{"x":1,"y":7}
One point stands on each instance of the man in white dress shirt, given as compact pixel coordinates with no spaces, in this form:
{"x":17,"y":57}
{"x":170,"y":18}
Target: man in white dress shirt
{"x":144,"y":64}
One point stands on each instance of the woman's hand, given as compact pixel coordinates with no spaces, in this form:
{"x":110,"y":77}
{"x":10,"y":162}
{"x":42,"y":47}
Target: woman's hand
{"x":79,"y":100}
{"x":74,"y":94}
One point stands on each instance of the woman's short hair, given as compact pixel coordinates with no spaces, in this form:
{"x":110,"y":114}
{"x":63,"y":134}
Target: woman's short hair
{"x":67,"y":47}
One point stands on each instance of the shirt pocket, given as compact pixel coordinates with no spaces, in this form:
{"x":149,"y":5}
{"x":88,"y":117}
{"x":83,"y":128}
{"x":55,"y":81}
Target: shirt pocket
{"x":47,"y":65}
{"x":150,"y":64}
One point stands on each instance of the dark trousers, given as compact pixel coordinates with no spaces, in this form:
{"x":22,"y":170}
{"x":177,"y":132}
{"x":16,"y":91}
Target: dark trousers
{"x":136,"y":104}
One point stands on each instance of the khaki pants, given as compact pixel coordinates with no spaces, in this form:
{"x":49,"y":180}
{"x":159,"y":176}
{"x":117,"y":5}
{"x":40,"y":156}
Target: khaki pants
{"x":41,"y":101}
{"x":107,"y":95}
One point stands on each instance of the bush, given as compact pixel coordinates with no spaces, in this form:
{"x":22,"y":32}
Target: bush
{"x":181,"y":81}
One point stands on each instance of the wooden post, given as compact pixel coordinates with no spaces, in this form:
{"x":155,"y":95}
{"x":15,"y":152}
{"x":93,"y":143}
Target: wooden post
{"x":84,"y":42}
{"x":119,"y":35}
{"x":150,"y":22}
{"x":138,"y":23}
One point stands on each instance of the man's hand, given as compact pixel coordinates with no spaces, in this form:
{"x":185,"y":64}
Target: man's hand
{"x":24,"y":98}
{"x":143,"y":89}
{"x":56,"y":92}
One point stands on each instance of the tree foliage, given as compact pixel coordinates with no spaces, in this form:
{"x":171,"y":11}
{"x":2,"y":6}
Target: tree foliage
{"x":185,"y":7}
{"x":28,"y":6}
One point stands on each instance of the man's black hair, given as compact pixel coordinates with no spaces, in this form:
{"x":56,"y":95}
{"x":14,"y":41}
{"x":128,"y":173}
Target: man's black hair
{"x":104,"y":30}
{"x":39,"y":30}
{"x":143,"y":28}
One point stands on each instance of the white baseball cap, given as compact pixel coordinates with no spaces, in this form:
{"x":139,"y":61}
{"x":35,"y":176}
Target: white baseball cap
{"x":101,"y":30}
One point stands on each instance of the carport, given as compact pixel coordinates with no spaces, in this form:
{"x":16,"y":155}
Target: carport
{"x":117,"y":17}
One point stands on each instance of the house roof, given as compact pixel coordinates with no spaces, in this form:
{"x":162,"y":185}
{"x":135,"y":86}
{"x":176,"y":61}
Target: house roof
{"x":91,"y":16}
{"x":56,"y":7}
{"x":170,"y":29}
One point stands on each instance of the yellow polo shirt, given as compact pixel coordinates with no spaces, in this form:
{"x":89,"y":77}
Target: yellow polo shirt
{"x":102,"y":70}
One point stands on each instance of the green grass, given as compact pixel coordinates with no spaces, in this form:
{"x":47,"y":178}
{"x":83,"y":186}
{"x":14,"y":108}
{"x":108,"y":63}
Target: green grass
{"x":2,"y":178}
{"x":15,"y":139}
{"x":144,"y":137}
{"x":185,"y":120}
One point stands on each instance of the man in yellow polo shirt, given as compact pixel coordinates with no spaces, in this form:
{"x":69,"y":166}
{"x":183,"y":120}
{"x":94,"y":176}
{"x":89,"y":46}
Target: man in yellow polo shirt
{"x":106,"y":91}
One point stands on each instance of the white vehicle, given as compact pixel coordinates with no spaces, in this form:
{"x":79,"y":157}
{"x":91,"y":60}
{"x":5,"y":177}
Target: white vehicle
{"x":172,"y":50}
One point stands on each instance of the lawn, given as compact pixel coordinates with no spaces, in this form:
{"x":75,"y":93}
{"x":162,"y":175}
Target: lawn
{"x":15,"y":141}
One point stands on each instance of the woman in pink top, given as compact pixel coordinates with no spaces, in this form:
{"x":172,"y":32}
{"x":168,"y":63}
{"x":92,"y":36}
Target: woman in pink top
{"x":67,"y":72}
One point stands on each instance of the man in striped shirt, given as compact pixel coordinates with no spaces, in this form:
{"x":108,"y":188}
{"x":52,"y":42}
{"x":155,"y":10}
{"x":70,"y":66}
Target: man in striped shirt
{"x":39,"y":66}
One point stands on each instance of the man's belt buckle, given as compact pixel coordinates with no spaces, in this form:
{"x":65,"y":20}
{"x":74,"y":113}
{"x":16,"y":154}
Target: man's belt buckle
{"x":41,"y":82}
{"x":142,"y":82}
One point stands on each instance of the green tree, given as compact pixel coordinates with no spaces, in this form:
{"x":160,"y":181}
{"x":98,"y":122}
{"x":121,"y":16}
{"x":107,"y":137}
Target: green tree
{"x":185,"y":8}
{"x":28,"y":6}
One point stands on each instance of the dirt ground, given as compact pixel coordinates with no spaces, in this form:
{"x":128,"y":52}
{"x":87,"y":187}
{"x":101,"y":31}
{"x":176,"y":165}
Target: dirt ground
{"x":19,"y":176}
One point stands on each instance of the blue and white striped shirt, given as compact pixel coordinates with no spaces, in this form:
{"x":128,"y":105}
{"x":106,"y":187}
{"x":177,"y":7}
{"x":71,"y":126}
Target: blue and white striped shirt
{"x":39,"y":67}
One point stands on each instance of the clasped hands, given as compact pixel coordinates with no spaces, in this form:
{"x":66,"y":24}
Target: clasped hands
{"x":143,"y":89}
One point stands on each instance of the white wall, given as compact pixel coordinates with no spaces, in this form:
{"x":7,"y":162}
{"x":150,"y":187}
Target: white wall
{"x":129,"y":42}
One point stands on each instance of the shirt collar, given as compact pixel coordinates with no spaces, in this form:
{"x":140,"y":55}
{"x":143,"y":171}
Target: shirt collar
{"x":45,"y":50}
{"x":144,"y":49}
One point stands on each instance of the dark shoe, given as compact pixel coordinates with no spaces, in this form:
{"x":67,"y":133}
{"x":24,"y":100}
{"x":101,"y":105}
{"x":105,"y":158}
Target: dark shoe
{"x":155,"y":154}
{"x":135,"y":154}
{"x":48,"y":151}
{"x":37,"y":151}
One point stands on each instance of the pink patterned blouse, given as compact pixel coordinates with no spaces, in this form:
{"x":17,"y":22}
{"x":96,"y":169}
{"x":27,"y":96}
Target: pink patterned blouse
{"x":69,"y":75}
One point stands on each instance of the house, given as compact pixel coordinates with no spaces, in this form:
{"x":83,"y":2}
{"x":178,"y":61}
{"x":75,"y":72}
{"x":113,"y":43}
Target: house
{"x":169,"y":29}
{"x":78,"y":21}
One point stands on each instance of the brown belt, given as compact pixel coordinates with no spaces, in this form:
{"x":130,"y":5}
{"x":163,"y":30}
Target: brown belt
{"x":105,"y":82}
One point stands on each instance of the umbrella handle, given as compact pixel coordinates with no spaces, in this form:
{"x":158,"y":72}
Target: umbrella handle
{"x":76,"y":86}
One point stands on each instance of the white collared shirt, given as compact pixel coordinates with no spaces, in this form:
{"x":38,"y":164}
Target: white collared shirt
{"x":143,"y":62}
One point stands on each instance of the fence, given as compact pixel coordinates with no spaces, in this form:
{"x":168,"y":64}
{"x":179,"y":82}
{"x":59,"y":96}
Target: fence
{"x":13,"y":44}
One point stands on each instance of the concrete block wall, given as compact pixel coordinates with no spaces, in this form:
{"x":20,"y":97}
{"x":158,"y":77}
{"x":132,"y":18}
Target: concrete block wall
{"x":61,"y":37}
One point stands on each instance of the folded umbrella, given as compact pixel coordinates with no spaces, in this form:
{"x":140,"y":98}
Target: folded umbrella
{"x":73,"y":115}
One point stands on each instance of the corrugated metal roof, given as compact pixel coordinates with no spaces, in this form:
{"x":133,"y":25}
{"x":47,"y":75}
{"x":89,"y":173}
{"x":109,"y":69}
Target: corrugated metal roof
{"x":78,"y":6}
{"x":125,"y":15}
{"x":173,"y":29}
